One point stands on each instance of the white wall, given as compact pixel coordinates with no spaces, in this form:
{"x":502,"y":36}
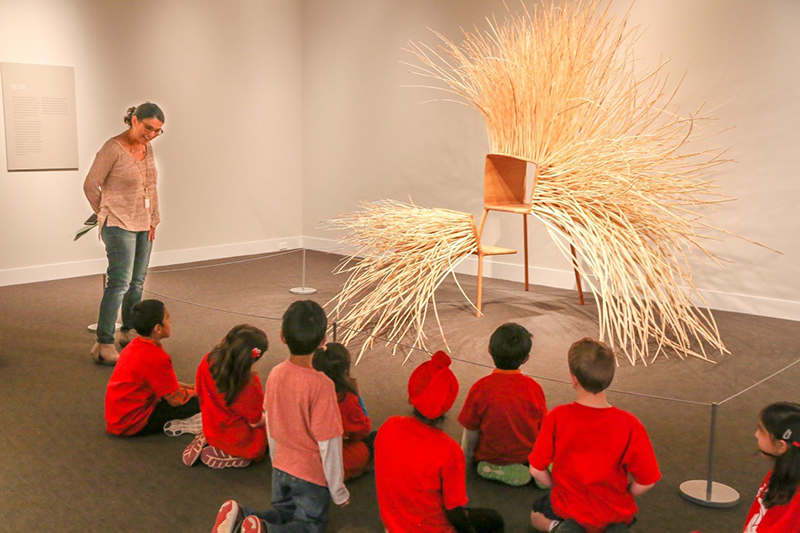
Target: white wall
{"x":228,"y":76}
{"x":366,"y":137}
{"x":282,"y":113}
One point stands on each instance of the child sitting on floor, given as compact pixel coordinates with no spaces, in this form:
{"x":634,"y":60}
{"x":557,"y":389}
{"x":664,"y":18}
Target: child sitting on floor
{"x":304,"y":429}
{"x":231,"y":400}
{"x":334,"y":361}
{"x":593,"y":448}
{"x":420,"y":471}
{"x":503,"y":411}
{"x":143,"y":393}
{"x":776,"y":508}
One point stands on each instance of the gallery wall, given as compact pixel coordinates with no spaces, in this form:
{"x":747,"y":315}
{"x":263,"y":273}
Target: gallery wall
{"x":283,"y":113}
{"x":367,"y":137}
{"x":228,"y":76}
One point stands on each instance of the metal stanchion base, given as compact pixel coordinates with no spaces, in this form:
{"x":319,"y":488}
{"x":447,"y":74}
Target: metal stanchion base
{"x":303,"y":290}
{"x":93,"y":327}
{"x":696,"y":491}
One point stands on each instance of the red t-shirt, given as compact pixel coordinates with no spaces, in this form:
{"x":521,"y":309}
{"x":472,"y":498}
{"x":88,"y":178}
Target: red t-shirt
{"x":776,"y":519}
{"x":227,"y":427}
{"x":143,"y":374}
{"x":593,"y":451}
{"x":356,"y":424}
{"x":419,"y":472}
{"x":508,"y":409}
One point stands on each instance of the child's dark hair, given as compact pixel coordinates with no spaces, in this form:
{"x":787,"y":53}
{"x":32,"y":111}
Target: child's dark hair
{"x":433,"y":422}
{"x":334,"y":361}
{"x":146,"y":315}
{"x":143,"y":111}
{"x":593,"y":364}
{"x":510,"y":345}
{"x":303,"y":327}
{"x":231,"y":361}
{"x":782,"y":422}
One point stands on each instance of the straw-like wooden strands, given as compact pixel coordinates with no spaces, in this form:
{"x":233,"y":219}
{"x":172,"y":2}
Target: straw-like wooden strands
{"x":403,"y":254}
{"x":618,"y":176}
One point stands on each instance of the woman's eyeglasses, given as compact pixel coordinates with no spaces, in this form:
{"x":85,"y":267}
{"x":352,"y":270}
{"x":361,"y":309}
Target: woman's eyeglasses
{"x":150,"y":129}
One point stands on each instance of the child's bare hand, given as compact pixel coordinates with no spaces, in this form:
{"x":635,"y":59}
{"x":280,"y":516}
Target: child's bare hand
{"x":345,"y":504}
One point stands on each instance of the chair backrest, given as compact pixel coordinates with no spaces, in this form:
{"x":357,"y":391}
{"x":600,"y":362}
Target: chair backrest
{"x":505,"y":179}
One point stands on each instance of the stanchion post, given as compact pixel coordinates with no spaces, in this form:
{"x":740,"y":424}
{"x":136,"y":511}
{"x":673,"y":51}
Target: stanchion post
{"x":303,"y":290}
{"x":707,"y":492}
{"x":335,"y":326}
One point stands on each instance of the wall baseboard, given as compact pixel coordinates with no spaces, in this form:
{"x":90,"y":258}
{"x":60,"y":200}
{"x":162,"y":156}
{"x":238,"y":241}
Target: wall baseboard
{"x":563,"y":279}
{"x":17,"y":276}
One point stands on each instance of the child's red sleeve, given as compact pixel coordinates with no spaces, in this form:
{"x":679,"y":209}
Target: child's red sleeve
{"x":470,"y":416}
{"x":159,"y":374}
{"x":250,"y":401}
{"x":543,"y":451}
{"x":356,"y":424}
{"x":454,"y":480}
{"x":640,"y":459}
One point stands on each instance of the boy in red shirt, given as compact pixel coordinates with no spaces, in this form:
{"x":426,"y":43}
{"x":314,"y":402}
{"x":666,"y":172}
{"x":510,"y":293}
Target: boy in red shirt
{"x":143,"y":393}
{"x":304,"y":430}
{"x":594,"y":448}
{"x":420,"y":472}
{"x":504,"y":411}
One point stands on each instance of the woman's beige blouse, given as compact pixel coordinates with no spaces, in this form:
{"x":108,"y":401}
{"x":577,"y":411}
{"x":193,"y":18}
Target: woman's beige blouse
{"x":116,"y":186}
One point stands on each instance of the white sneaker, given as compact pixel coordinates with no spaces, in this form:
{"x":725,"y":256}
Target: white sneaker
{"x":176,"y":428}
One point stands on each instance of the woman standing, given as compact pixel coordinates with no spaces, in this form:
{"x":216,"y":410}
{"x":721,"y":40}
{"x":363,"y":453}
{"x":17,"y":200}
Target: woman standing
{"x":121,"y":188}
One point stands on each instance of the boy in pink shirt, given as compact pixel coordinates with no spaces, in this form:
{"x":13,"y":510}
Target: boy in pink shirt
{"x":304,"y":429}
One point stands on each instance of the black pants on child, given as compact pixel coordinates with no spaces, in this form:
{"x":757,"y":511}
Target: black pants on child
{"x":164,"y":412}
{"x":476,"y":520}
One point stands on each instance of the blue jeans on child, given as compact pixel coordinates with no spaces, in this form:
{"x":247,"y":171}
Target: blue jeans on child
{"x":128,"y":255}
{"x":302,"y":506}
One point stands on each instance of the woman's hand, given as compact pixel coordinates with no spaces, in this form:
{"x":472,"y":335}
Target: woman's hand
{"x":151,"y":236}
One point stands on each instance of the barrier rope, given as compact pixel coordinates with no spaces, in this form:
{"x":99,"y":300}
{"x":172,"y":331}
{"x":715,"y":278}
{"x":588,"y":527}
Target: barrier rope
{"x":412,"y":348}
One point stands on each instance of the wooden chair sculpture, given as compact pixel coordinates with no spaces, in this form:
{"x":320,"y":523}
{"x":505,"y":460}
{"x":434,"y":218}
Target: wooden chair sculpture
{"x":481,"y":252}
{"x":505,"y":189}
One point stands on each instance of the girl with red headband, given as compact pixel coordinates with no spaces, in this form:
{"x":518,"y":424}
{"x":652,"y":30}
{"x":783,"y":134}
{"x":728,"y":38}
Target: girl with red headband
{"x":231,"y":399}
{"x":420,"y":471}
{"x":776,"y":508}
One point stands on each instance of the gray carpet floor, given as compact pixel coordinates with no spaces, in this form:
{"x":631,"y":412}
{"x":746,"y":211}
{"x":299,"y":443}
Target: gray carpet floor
{"x":59,"y":470}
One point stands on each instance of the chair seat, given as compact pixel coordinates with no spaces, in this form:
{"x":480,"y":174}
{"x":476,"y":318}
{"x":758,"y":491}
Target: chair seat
{"x":495,"y":250}
{"x":522,"y":209}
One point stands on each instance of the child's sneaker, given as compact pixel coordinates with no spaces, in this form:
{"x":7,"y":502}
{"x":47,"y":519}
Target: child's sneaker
{"x":176,"y":428}
{"x":227,"y":518}
{"x":515,"y":475}
{"x":192,"y":452}
{"x":216,"y":458}
{"x":252,"y":524}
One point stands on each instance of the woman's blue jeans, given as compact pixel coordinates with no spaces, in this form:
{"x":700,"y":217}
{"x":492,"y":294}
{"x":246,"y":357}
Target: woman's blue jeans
{"x":128,"y":255}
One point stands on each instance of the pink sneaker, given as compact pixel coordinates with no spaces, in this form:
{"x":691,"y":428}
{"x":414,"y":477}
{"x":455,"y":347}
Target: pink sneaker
{"x":252,"y":524}
{"x":216,"y":458}
{"x":227,"y":518}
{"x":192,"y":452}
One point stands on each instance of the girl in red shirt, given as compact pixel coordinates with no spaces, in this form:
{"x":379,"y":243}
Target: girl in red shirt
{"x":334,"y":361}
{"x":776,"y":508}
{"x":231,"y":401}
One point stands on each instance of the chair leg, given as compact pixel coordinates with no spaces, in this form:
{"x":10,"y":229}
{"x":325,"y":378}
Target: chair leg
{"x":480,"y":226}
{"x":525,"y":246}
{"x":480,"y":285}
{"x":577,"y":274}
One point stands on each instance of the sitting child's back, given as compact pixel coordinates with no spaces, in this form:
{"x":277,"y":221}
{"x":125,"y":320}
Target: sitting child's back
{"x":506,"y":407}
{"x":594,"y":449}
